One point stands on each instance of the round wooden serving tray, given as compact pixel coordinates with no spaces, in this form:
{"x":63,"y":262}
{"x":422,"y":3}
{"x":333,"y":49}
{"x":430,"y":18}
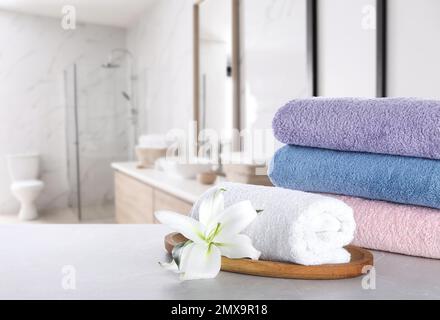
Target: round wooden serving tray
{"x":359,"y":259}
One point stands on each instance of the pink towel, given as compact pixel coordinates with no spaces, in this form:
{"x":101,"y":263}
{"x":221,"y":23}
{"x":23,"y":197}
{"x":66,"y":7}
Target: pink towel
{"x":385,"y":226}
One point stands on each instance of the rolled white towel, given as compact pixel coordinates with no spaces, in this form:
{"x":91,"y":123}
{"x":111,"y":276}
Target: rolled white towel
{"x":294,"y":226}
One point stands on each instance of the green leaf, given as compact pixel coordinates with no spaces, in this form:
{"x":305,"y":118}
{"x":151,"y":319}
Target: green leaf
{"x":177,"y":251}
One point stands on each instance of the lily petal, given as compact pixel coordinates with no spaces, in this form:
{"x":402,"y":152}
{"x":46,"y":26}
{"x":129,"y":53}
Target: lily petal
{"x":235,"y":219}
{"x":200,"y":262}
{"x":170,"y":266}
{"x":211,"y":207}
{"x":189,"y":227}
{"x":239,"y":246}
{"x":184,"y":257}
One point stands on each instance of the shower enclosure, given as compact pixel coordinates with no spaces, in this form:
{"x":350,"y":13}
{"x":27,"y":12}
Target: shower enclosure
{"x":101,"y":128}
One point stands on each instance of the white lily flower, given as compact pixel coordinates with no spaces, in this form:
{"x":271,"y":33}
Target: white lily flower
{"x":216,"y":234}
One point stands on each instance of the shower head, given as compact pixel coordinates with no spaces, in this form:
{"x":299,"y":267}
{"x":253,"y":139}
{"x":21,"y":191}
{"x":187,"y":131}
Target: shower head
{"x":126,"y":95}
{"x":110,"y":65}
{"x":112,"y":57}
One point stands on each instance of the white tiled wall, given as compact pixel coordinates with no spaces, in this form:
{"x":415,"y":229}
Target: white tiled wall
{"x":34,"y":51}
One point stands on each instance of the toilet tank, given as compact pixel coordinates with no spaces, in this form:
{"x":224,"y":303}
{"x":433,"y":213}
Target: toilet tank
{"x":24,"y":166}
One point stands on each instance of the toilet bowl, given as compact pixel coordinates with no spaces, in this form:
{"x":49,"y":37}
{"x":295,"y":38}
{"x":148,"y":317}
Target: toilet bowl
{"x":24,"y":170}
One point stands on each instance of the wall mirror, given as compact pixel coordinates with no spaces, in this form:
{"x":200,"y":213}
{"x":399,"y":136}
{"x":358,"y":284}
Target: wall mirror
{"x":273,"y":68}
{"x":346,"y":48}
{"x":412,"y":48}
{"x":213,"y":65}
{"x":250,"y":57}
{"x":273,"y":51}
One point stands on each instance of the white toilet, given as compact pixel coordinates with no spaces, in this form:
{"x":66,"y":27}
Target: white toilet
{"x":24,"y":171}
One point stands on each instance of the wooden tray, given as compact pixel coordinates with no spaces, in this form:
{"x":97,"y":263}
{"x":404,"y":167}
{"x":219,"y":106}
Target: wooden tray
{"x":359,"y":259}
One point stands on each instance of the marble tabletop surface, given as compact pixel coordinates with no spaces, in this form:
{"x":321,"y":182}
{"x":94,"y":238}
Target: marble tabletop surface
{"x":121,"y":262}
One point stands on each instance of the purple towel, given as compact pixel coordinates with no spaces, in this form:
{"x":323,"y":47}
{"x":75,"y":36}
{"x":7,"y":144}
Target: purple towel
{"x":400,"y":126}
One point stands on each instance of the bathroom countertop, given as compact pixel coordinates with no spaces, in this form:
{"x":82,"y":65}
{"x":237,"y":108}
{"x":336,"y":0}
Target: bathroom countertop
{"x":121,"y":262}
{"x":186,"y":189}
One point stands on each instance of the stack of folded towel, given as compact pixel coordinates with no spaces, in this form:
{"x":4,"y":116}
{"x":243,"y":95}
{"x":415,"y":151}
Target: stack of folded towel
{"x":379,"y":156}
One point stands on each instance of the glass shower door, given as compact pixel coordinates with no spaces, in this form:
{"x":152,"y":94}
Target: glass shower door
{"x":100,"y":129}
{"x":72,"y":154}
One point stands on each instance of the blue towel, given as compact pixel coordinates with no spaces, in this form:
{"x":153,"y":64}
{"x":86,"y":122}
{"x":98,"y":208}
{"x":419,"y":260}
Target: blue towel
{"x":398,"y":179}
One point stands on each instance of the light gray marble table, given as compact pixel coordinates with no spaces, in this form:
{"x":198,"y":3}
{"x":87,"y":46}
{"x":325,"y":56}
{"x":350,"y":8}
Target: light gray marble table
{"x":121,"y":262}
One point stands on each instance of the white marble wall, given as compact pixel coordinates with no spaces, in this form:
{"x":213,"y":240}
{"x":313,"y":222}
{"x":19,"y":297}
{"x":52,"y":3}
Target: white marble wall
{"x":34,"y":51}
{"x":162,"y":44}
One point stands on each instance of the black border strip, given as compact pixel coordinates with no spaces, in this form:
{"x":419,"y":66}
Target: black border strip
{"x":381,"y":47}
{"x":312,"y":46}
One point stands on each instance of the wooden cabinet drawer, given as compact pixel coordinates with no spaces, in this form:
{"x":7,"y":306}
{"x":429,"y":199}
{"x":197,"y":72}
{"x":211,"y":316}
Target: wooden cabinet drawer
{"x":133,"y":200}
{"x":165,"y":201}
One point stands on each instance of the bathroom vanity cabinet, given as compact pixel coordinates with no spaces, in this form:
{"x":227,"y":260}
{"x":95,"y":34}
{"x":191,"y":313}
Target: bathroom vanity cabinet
{"x":141,"y":192}
{"x":133,"y":200}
